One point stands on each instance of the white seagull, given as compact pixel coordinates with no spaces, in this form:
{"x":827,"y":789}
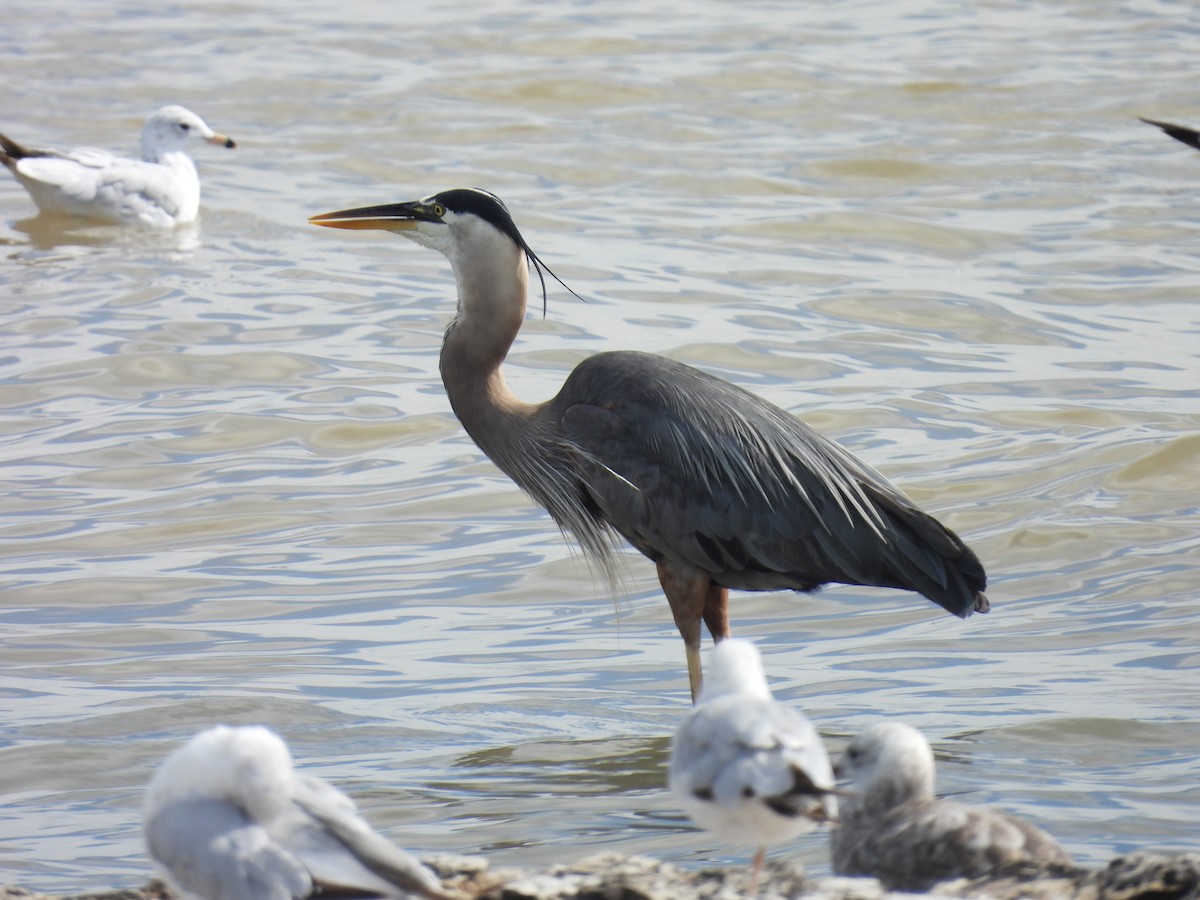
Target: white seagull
{"x":892,"y":828}
{"x":745,"y":767}
{"x":160,"y":190}
{"x":227,"y":818}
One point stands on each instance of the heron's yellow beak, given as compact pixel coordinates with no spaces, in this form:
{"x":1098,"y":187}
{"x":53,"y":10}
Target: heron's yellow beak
{"x":389,"y":217}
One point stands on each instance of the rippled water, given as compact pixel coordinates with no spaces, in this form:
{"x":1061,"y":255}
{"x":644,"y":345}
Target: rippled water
{"x":233,"y":489}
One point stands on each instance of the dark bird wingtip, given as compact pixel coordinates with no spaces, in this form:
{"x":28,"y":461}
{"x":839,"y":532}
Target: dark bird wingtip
{"x":982,"y":603}
{"x":1181,"y":133}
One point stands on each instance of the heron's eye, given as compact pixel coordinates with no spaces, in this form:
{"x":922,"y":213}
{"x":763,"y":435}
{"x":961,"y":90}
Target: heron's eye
{"x":439,"y":210}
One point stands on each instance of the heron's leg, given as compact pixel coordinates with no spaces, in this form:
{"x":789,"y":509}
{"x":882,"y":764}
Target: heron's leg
{"x":687,"y":591}
{"x":716,"y":611}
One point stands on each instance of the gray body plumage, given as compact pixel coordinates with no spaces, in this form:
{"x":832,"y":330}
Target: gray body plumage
{"x":690,"y":467}
{"x":227,"y":818}
{"x":892,"y":827}
{"x":211,"y":849}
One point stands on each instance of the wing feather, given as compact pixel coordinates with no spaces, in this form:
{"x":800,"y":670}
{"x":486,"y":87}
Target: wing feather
{"x":690,"y":467}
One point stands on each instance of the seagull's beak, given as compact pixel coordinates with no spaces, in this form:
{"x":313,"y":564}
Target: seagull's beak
{"x":389,"y":217}
{"x":222,"y":140}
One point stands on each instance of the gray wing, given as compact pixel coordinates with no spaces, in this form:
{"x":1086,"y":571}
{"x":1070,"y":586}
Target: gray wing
{"x":735,"y":748}
{"x":210,"y":849}
{"x":339,"y":841}
{"x":114,"y":186}
{"x":693,"y":468}
{"x":919,"y":844}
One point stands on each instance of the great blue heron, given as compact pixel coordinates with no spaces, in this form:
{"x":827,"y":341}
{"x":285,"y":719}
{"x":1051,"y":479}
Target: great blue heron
{"x":720,"y":488}
{"x":891,"y":827}
{"x":159,"y":190}
{"x":1189,"y":136}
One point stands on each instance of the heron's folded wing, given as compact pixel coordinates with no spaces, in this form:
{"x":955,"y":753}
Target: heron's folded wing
{"x":690,"y":466}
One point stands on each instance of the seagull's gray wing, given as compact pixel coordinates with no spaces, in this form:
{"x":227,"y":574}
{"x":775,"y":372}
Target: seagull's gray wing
{"x":94,"y":182}
{"x":339,"y":841}
{"x":211,"y":849}
{"x":733,"y":746}
{"x":75,"y":179}
{"x":920,"y":843}
{"x":146,"y":191}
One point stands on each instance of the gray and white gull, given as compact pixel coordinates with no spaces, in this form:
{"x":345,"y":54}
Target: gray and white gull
{"x":891,"y":826}
{"x":745,"y":767}
{"x":160,"y":190}
{"x":227,"y":817}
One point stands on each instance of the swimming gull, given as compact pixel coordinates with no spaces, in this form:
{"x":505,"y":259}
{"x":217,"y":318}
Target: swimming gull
{"x":159,"y":190}
{"x":892,"y":828}
{"x":744,"y":766}
{"x":228,"y":818}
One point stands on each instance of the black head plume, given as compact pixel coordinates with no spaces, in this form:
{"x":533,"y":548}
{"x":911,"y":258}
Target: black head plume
{"x":492,"y":210}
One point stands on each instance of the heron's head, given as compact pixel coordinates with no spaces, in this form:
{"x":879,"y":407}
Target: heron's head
{"x":464,"y":224}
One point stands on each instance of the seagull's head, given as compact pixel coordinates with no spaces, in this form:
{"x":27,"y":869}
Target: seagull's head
{"x":888,"y":764}
{"x":735,"y":667}
{"x":249,"y":766}
{"x":174,"y":128}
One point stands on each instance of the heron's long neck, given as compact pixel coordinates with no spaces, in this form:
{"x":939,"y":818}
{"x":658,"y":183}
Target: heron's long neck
{"x":491,"y":308}
{"x":522,"y":439}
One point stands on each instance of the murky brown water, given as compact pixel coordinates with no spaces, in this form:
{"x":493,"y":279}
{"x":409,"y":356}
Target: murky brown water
{"x":234,"y":490}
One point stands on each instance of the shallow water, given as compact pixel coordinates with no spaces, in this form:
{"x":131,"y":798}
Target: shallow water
{"x":234,"y":490}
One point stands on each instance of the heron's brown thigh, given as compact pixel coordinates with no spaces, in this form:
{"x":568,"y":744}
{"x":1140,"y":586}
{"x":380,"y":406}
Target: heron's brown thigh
{"x":687,"y":591}
{"x":716,"y":611}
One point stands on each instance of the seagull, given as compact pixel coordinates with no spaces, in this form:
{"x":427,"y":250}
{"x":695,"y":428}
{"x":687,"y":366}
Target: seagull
{"x":160,"y":190}
{"x":227,"y":818}
{"x":744,"y":766}
{"x":1189,"y":136}
{"x":892,"y":828}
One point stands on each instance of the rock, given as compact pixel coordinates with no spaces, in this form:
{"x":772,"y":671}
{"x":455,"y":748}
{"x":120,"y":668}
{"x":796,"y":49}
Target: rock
{"x":611,"y":876}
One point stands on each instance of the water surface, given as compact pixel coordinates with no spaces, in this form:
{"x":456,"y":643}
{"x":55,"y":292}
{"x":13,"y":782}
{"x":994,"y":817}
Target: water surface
{"x":234,"y":490}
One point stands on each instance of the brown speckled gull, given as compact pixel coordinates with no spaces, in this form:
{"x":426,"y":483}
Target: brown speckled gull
{"x":892,"y":827}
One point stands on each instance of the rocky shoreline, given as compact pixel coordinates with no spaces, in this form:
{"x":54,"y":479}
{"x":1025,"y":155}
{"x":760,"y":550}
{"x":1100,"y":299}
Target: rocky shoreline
{"x":611,"y":876}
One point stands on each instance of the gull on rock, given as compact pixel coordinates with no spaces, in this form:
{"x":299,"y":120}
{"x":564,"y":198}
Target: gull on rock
{"x":891,"y":826}
{"x":228,"y":818}
{"x":160,"y":190}
{"x":745,"y":767}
